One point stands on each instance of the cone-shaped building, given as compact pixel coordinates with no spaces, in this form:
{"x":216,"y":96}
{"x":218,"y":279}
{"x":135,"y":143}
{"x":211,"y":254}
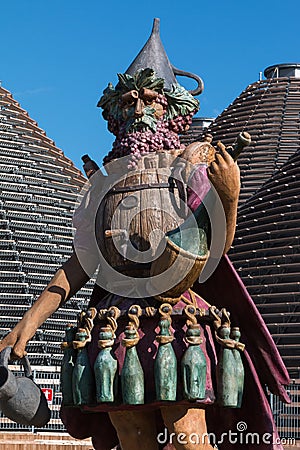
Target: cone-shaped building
{"x":267,"y":243}
{"x":266,"y":253}
{"x":38,"y":190}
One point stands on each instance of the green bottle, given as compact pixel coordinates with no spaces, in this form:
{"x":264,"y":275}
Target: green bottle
{"x":193,"y":366}
{"x":240,"y":372}
{"x":132,"y":375}
{"x":83,"y":382}
{"x":67,"y":366}
{"x":165,"y":366}
{"x":105,"y":368}
{"x":226,"y":374}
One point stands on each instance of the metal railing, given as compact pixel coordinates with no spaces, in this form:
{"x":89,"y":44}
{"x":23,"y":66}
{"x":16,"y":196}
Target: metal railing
{"x":287,"y":416}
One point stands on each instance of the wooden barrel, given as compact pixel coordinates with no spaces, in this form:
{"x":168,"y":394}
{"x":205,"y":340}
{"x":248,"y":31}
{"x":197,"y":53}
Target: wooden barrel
{"x":142,"y":200}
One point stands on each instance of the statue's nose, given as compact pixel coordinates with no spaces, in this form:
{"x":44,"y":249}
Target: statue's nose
{"x":138,"y":112}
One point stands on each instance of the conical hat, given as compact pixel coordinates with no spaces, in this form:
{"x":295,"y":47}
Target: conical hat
{"x":153,"y":56}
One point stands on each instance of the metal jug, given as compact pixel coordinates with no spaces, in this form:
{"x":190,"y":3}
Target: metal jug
{"x":21,"y":399}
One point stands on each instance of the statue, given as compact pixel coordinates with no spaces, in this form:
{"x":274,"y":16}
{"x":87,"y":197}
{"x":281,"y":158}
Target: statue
{"x":155,"y":343}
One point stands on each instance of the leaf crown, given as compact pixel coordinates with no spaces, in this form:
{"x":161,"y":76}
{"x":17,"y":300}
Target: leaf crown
{"x":180,"y":101}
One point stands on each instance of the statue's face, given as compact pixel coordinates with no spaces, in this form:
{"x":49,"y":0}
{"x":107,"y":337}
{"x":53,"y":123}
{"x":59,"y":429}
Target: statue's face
{"x":144,"y":116}
{"x":140,"y":108}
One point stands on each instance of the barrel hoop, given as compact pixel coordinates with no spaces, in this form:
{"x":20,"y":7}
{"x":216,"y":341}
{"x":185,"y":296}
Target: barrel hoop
{"x":140,"y":187}
{"x":135,"y":267}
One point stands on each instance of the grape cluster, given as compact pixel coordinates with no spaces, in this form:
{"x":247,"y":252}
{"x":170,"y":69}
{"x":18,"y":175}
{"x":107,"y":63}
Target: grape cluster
{"x":162,"y":100}
{"x":113,"y":125}
{"x":181,"y":123}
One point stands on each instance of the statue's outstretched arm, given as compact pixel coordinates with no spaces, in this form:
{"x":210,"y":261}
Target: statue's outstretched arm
{"x":65,"y":283}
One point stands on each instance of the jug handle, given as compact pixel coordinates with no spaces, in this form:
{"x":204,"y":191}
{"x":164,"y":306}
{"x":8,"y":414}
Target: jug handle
{"x":5,"y":356}
{"x":199,"y":88}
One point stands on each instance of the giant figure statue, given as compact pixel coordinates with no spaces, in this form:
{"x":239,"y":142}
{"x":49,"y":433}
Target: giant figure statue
{"x":156,"y":360}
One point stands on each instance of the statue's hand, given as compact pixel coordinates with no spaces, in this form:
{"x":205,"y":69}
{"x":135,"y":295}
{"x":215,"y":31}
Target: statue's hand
{"x":224,"y":174}
{"x":15,"y":340}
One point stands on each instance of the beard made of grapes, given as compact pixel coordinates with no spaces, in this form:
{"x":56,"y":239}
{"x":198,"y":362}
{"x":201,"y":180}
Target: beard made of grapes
{"x":139,"y":143}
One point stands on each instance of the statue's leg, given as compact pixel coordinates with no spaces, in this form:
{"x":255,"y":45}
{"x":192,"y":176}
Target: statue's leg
{"x":136,"y":429}
{"x":187,"y":427}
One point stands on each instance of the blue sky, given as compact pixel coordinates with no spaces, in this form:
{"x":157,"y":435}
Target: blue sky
{"x":58,"y":56}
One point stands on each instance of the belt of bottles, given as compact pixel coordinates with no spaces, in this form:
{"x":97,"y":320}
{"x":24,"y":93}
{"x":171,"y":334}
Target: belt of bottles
{"x":82,"y":384}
